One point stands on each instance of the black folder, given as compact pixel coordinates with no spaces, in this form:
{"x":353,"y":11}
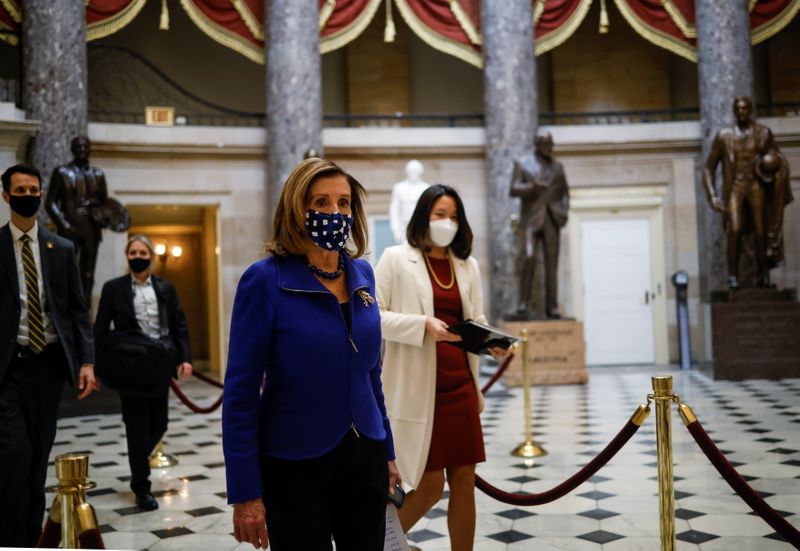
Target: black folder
{"x":479,"y":338}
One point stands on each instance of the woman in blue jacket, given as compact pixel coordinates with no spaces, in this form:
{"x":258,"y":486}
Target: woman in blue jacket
{"x":307,"y":443}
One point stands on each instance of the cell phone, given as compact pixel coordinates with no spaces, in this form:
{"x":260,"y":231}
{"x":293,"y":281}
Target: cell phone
{"x":398,"y":497}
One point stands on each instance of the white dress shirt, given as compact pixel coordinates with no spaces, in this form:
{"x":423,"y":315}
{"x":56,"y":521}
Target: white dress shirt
{"x":50,"y":335}
{"x":145,"y":306}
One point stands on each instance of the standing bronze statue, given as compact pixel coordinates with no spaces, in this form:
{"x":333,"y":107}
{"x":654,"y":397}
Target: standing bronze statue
{"x":539,"y":181}
{"x":78,"y":203}
{"x":755,"y":190}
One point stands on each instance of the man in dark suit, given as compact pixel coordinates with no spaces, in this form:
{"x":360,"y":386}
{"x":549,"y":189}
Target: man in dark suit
{"x":45,"y":338}
{"x":539,"y":181}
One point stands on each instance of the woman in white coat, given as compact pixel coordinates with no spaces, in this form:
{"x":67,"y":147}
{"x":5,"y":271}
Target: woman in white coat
{"x":431,"y":387}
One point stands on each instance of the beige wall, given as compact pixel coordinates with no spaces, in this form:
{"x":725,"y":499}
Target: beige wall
{"x":224,"y":167}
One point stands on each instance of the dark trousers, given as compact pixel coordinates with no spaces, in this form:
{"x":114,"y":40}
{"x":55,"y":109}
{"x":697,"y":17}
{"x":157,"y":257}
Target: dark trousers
{"x":341,"y":494}
{"x":29,"y":397}
{"x":547,"y":237}
{"x":145,"y":424}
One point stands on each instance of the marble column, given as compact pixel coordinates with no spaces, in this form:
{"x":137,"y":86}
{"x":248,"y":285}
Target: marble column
{"x":509,"y":76}
{"x":294,"y":89}
{"x":725,"y":70}
{"x":55,"y":77}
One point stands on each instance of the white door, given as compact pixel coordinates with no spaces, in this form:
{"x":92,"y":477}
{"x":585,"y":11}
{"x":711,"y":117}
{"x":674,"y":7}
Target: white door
{"x":618,"y":299}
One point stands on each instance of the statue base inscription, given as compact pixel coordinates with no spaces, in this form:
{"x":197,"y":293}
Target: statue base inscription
{"x":755,"y":334}
{"x":556,"y":353}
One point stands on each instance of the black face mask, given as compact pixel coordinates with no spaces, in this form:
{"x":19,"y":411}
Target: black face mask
{"x":138,"y":265}
{"x":25,"y":205}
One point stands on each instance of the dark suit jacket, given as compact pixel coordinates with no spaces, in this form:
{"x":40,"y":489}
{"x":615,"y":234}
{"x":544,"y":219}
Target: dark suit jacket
{"x":65,"y":302}
{"x":116,"y":304}
{"x":543,"y":189}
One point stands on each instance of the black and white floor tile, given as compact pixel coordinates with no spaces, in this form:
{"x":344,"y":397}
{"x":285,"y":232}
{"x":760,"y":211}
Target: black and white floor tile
{"x":756,"y":423}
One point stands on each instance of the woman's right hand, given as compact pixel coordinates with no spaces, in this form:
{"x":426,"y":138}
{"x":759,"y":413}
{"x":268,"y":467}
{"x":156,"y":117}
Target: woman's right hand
{"x":437,"y":329}
{"x":250,"y":523}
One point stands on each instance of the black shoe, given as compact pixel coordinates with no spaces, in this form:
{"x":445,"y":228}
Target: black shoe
{"x":146,"y":502}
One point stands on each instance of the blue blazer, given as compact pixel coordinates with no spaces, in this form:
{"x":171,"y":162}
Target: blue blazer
{"x":320,"y":381}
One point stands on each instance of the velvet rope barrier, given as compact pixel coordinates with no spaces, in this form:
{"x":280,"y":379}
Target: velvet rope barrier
{"x":207,"y":379}
{"x":497,"y":374}
{"x":735,"y":480}
{"x":51,"y":535}
{"x":91,"y":539}
{"x":191,"y":405}
{"x":527,"y":500}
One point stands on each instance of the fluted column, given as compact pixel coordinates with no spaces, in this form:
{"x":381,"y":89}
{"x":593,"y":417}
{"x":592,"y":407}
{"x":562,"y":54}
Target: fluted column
{"x":509,"y":77}
{"x":294,"y":89}
{"x":725,"y":70}
{"x":55,"y":80}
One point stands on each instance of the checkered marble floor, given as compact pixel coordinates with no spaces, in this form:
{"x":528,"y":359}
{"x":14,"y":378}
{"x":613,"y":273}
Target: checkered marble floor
{"x":756,"y":423}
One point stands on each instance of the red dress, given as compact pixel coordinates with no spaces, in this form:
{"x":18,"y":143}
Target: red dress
{"x":457,"y":438}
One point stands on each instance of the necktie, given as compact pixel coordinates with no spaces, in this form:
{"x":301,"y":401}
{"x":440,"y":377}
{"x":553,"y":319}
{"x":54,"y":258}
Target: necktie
{"x":36,"y":340}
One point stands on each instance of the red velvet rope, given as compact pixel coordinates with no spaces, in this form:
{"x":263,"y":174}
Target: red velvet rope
{"x":526,"y":500}
{"x":207,"y":379}
{"x":51,"y":535}
{"x":91,"y":539}
{"x":741,"y":487}
{"x":500,"y":371}
{"x":191,"y":405}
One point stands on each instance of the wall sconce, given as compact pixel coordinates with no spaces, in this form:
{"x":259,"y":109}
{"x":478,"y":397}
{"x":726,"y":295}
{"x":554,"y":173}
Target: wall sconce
{"x":176,"y":251}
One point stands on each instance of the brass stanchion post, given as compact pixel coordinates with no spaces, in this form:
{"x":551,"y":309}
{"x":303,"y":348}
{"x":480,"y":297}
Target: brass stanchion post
{"x":72,"y":470}
{"x":528,"y":449}
{"x":160,"y":460}
{"x":662,"y":394}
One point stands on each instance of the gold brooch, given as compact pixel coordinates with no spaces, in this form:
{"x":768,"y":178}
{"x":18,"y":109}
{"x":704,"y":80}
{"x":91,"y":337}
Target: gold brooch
{"x":366,"y":298}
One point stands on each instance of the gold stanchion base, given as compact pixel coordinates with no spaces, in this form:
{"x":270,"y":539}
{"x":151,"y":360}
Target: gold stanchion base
{"x":529,"y":448}
{"x":161,"y":460}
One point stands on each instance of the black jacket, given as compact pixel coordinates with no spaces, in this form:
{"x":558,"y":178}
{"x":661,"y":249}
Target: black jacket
{"x":65,"y":302}
{"x":116,"y":304}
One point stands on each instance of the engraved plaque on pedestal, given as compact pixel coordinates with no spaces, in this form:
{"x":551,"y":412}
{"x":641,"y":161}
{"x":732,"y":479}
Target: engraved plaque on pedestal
{"x":755,"y":334}
{"x":556,"y":353}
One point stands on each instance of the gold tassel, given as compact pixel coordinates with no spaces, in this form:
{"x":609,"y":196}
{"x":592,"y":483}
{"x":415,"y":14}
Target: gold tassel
{"x":163,"y":24}
{"x":603,"y":18}
{"x":389,"y":30}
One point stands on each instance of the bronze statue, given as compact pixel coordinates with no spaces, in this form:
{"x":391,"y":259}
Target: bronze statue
{"x":539,"y":181}
{"x":755,"y":190}
{"x":78,"y":203}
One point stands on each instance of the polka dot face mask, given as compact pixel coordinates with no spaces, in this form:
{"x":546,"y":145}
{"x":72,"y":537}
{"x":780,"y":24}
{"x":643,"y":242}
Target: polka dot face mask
{"x":328,"y":231}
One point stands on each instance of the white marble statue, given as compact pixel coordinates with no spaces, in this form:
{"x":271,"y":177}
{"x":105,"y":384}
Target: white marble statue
{"x":404,"y":198}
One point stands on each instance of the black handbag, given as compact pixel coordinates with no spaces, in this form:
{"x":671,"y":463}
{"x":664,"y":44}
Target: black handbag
{"x":135,"y":364}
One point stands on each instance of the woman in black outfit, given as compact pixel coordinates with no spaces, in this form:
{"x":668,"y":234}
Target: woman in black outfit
{"x":144,"y":303}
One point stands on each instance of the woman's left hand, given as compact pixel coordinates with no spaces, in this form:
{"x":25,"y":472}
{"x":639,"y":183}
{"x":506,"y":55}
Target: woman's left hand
{"x":394,"y":476}
{"x":498,"y":352}
{"x":185,"y":370}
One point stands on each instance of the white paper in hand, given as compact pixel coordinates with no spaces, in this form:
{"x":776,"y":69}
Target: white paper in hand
{"x":395,"y":538}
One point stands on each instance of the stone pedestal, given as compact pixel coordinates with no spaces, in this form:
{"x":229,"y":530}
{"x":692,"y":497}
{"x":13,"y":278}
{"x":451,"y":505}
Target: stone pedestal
{"x":756,"y":334}
{"x":556,"y":353}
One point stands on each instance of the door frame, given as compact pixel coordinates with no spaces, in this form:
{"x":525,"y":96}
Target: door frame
{"x":643,"y":201}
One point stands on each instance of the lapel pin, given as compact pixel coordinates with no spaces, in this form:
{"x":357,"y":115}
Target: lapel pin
{"x":49,"y":244}
{"x":366,"y":298}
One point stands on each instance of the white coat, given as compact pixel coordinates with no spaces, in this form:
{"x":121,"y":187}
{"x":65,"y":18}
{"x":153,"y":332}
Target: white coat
{"x":405,"y":297}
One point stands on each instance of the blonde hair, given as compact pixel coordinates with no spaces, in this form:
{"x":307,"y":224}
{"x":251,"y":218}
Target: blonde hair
{"x":289,"y":234}
{"x":141,"y":238}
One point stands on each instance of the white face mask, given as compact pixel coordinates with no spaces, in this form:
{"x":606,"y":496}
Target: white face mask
{"x":442,"y":232}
